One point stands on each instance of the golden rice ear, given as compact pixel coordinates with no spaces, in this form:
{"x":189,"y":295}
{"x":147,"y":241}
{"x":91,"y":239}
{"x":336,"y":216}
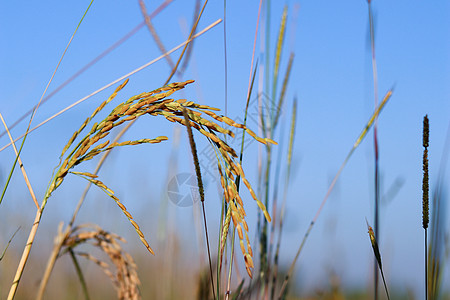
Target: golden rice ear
{"x":188,"y":114}
{"x":120,"y":268}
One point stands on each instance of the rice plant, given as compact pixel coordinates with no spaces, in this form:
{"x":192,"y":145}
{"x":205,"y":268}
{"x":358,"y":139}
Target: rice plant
{"x":238,"y":257}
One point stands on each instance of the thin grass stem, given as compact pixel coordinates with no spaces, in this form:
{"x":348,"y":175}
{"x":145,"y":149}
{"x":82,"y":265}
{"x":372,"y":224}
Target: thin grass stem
{"x":80,"y":274}
{"x":200,"y":189}
{"x":9,"y":243}
{"x":191,"y":37}
{"x":151,"y":28}
{"x":375,"y":143}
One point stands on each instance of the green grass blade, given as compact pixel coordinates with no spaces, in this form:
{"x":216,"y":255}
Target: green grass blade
{"x":12,"y":171}
{"x":376,"y":252}
{"x":9,"y":242}
{"x":80,"y":274}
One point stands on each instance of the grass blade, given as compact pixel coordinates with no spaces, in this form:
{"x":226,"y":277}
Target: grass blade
{"x":377,"y":254}
{"x":154,"y":34}
{"x":80,"y":274}
{"x":7,"y":244}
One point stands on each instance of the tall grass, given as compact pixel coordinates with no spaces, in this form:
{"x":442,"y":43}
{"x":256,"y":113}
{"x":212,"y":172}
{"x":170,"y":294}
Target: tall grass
{"x":265,"y":277}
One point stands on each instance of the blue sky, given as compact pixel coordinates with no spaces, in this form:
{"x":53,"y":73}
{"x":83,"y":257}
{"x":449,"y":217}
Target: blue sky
{"x":331,"y":77}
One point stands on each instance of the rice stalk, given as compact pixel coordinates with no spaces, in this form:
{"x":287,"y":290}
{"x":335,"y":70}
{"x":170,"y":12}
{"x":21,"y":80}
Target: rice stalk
{"x":154,"y":103}
{"x":58,"y":245}
{"x":98,"y":132}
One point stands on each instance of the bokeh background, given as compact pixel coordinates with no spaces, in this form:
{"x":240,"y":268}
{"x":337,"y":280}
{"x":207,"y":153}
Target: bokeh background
{"x":332,"y":80}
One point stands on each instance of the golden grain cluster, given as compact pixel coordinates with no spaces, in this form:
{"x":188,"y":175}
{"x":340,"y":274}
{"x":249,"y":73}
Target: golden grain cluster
{"x":157,"y":103}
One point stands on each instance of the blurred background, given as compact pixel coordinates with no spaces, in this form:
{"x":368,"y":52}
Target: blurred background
{"x":332,"y":79}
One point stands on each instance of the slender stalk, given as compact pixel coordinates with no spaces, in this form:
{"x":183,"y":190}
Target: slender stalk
{"x":154,"y":34}
{"x":191,"y":44}
{"x":80,"y":274}
{"x":425,"y":194}
{"x":7,"y":244}
{"x":200,"y":190}
{"x":191,"y":36}
{"x":375,"y":144}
